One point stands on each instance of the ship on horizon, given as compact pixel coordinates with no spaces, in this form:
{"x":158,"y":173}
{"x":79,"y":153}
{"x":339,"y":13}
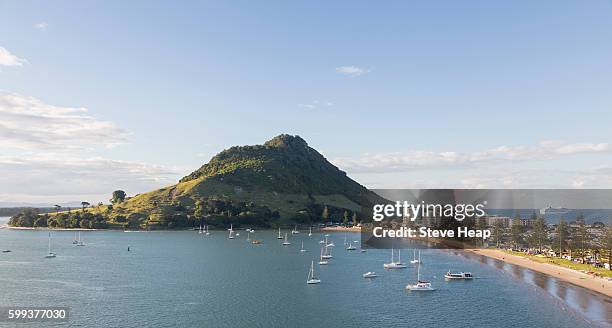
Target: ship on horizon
{"x":554,"y":210}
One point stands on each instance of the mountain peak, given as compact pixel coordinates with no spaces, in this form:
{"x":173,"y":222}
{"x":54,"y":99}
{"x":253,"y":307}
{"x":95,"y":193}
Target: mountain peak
{"x":286,"y":141}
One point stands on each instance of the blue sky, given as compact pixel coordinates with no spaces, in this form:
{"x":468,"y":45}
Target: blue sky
{"x":397,"y":93}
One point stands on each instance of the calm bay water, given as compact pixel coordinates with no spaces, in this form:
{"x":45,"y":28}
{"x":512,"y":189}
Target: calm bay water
{"x":185,"y":279}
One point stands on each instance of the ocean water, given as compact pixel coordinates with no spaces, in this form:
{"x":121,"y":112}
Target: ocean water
{"x":184,"y":279}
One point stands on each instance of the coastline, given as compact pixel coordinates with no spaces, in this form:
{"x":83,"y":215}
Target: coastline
{"x":46,"y":228}
{"x":342,"y":229}
{"x":574,"y":277}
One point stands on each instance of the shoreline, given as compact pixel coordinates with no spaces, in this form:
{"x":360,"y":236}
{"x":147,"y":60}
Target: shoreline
{"x":342,"y":229}
{"x":47,"y":228}
{"x":595,"y":284}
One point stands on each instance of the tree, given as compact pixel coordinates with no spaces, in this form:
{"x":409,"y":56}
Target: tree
{"x":562,"y":236}
{"x":498,"y":232}
{"x":57,"y":208}
{"x":118,"y":196}
{"x":345,"y":218}
{"x":325,"y":214}
{"x":539,"y":234}
{"x":516,"y":231}
{"x":354,"y":219}
{"x":582,"y":238}
{"x":84,"y":205}
{"x":607,"y":244}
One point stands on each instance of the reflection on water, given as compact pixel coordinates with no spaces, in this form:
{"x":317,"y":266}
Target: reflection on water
{"x":592,"y":305}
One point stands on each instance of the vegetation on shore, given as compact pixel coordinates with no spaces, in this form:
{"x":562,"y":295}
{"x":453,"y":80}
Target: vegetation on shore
{"x":574,"y":245}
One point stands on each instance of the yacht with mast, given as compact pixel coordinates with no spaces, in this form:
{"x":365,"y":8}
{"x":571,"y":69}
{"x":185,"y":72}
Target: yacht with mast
{"x":279,"y":234}
{"x":286,"y":242}
{"x":311,"y":276}
{"x":322,"y":260}
{"x":302,"y":250}
{"x":414,"y":258}
{"x":50,"y":254}
{"x":420,"y":285}
{"x":231,"y":232}
{"x":393,"y":264}
{"x":327,"y":254}
{"x":80,"y":242}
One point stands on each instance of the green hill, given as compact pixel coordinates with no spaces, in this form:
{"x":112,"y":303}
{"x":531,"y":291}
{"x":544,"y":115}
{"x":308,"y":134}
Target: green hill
{"x":283,"y":181}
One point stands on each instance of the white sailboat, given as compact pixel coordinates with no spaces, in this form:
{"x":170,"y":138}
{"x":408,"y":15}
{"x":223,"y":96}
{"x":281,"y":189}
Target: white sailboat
{"x":311,"y":276}
{"x":322,"y":260}
{"x":420,"y":285}
{"x":295,"y":231}
{"x":310,"y":231}
{"x":75,"y":241}
{"x":200,"y":230}
{"x":50,"y":254}
{"x":286,"y":242}
{"x":302,"y":249}
{"x":248,"y":235}
{"x":327,"y":254}
{"x":80,"y":242}
{"x":279,"y":234}
{"x":351,"y":247}
{"x":328,"y":244}
{"x":393,"y":264}
{"x":414,"y":258}
{"x":231,"y":232}
{"x":207,"y":233}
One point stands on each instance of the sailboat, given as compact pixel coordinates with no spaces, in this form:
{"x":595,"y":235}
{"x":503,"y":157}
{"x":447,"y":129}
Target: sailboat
{"x":311,"y":277}
{"x":231,"y":232}
{"x":302,"y":249}
{"x":75,"y":241}
{"x":327,"y":254}
{"x":248,"y":235}
{"x":50,"y":254}
{"x":351,"y":247}
{"x":328,"y":244}
{"x":286,"y":242}
{"x":200,"y":230}
{"x":207,"y":233}
{"x":414,"y":258}
{"x":322,"y":260}
{"x":393,"y":264}
{"x":420,"y":285}
{"x":279,"y":234}
{"x":80,"y":242}
{"x":310,"y":231}
{"x":295,"y":231}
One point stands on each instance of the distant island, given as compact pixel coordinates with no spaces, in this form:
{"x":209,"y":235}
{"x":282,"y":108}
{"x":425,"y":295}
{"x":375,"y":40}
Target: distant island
{"x":283,"y":181}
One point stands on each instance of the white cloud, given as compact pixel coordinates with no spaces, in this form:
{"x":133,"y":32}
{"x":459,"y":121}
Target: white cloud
{"x":59,"y":178}
{"x":42,"y":26}
{"x":316,"y":104}
{"x":30,"y":124}
{"x":8,"y":59}
{"x":401,"y":162}
{"x":352,"y":71}
{"x":47,"y":161}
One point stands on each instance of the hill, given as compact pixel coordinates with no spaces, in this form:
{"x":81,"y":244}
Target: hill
{"x":283,"y":181}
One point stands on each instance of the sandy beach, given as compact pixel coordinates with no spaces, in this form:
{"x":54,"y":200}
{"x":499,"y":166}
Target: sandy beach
{"x":577,"y":278}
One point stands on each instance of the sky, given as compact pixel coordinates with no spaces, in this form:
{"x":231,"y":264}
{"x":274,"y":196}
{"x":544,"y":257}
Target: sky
{"x":104,"y":95}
